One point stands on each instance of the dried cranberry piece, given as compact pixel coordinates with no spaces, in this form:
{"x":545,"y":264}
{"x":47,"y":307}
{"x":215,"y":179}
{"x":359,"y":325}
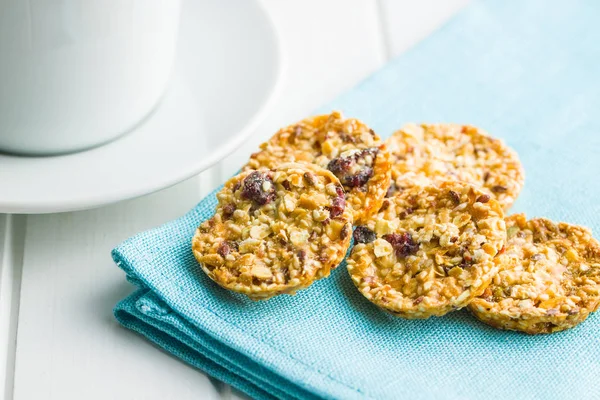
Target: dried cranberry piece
{"x":301,"y":255}
{"x":339,"y":203}
{"x":406,"y":213}
{"x":337,"y":207}
{"x":368,"y":152}
{"x":362,"y":234}
{"x":403,"y":244}
{"x":360,"y":179}
{"x":228,"y":210}
{"x":254,"y":188}
{"x":342,"y":166}
{"x":224,"y":249}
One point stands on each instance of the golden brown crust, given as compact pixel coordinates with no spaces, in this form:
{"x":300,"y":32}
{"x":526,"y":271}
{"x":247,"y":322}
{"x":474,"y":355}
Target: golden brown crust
{"x":275,"y":231}
{"x":550,"y":278}
{"x":430,"y":153}
{"x":429,"y":250}
{"x":347,"y":147}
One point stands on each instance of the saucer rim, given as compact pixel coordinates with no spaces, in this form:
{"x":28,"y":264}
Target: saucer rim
{"x":85,"y":203}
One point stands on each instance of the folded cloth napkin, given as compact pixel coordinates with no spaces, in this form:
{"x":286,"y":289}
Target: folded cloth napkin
{"x":527,"y":71}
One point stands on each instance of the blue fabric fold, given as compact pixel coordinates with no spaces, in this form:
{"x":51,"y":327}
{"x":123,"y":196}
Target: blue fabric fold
{"x":526,"y":71}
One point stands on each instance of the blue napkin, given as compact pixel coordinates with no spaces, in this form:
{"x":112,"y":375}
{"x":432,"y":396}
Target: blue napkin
{"x":527,"y":71}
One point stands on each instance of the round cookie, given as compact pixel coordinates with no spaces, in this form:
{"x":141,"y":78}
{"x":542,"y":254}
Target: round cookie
{"x":347,"y":147}
{"x":275,"y":231}
{"x":426,"y":153}
{"x":549,"y":279}
{"x":429,"y":250}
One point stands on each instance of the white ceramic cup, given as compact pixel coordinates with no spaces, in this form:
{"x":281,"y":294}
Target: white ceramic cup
{"x":77,"y":73}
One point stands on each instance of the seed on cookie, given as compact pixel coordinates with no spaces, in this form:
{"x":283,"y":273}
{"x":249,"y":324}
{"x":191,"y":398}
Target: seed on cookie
{"x":275,"y":230}
{"x":346,"y":147}
{"x":429,"y":251}
{"x":549,"y":278}
{"x":430,"y":153}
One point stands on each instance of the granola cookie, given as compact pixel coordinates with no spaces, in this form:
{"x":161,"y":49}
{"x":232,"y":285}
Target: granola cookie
{"x":275,"y":231}
{"x":426,"y":153}
{"x":549,"y":279}
{"x":429,"y":250}
{"x":347,"y":147}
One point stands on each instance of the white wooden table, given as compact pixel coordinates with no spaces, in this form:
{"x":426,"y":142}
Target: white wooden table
{"x":58,"y":285}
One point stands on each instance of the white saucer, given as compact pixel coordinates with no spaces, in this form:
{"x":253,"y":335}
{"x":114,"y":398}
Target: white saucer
{"x":227,"y":73}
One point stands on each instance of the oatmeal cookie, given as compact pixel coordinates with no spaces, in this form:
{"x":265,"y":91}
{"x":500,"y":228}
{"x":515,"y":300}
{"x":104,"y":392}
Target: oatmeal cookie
{"x":275,"y":230}
{"x":429,"y":250}
{"x":549,"y":279}
{"x":426,"y":153}
{"x":347,"y":147}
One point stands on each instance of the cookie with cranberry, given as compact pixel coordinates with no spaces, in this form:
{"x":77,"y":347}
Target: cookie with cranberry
{"x":431,"y":153}
{"x":549,"y":279}
{"x":275,"y":230}
{"x":346,"y":147}
{"x":429,"y":250}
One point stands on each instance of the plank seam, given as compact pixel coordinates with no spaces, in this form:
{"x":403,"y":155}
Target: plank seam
{"x":384,"y":32}
{"x":10,"y":289}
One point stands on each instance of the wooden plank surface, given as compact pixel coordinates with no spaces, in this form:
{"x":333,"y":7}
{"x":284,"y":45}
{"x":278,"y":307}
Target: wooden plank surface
{"x":69,"y":346}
